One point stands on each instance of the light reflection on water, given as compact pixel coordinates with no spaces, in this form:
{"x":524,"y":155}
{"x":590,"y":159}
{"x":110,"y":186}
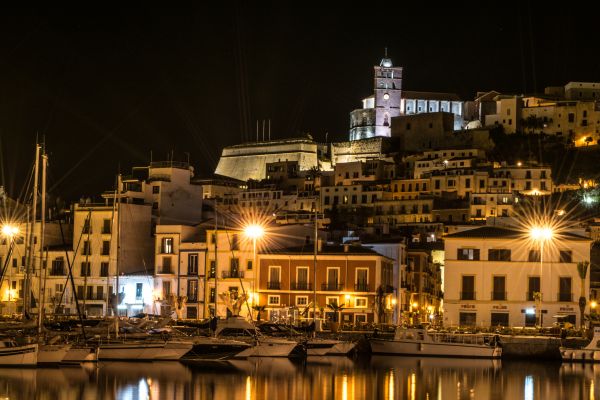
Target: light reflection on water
{"x":380,"y":377}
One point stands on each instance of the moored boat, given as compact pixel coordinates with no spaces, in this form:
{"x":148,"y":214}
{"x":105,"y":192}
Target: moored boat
{"x":12,"y":354}
{"x":329,"y":347}
{"x":421,"y":342}
{"x":52,"y":353}
{"x":589,"y":353}
{"x":80,"y":354}
{"x":144,"y":351}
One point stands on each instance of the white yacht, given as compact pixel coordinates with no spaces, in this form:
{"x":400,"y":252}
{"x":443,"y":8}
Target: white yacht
{"x":589,"y":353}
{"x":262,"y":346}
{"x":81,"y":354}
{"x":12,"y":354}
{"x":421,"y":342}
{"x":144,"y":350}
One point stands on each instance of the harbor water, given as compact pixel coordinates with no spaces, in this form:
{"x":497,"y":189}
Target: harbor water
{"x":377,"y":377}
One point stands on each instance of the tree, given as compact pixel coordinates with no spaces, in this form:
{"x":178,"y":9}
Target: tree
{"x":582,"y":268}
{"x":380,"y":304}
{"x":258,"y":310}
{"x":337,"y":309}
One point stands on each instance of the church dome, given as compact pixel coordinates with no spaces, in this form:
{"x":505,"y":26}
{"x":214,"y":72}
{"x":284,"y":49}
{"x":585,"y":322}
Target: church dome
{"x":386,"y":62}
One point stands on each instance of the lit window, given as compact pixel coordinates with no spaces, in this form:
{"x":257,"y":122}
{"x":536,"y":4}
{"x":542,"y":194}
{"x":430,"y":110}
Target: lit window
{"x":273,"y":300}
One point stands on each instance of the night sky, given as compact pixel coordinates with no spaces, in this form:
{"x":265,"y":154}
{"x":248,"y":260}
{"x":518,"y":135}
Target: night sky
{"x":105,"y":87}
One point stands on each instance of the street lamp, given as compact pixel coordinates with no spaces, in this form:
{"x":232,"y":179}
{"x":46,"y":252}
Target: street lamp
{"x":254,"y":232}
{"x":541,"y":234}
{"x":9,"y":231}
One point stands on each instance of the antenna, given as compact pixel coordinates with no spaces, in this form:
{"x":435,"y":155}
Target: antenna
{"x":269,"y":128}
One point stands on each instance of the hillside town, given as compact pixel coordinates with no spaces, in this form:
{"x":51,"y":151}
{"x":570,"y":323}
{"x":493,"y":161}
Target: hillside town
{"x":439,"y":210}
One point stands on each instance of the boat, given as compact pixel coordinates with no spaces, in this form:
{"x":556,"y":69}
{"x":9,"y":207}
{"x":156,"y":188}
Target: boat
{"x":329,"y":347}
{"x":215,"y":349}
{"x":13,"y":354}
{"x":80,"y":354}
{"x":422,"y":342}
{"x":52,"y":353}
{"x":262,"y":346}
{"x":589,"y":353}
{"x":171,"y":350}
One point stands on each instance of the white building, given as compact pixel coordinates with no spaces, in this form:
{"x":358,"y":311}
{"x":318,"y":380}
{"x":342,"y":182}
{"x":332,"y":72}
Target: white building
{"x":492,"y":273}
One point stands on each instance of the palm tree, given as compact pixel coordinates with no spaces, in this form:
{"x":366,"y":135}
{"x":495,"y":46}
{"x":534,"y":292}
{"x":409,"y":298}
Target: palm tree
{"x":582,"y":268}
{"x":337,"y":309}
{"x":258,"y":310}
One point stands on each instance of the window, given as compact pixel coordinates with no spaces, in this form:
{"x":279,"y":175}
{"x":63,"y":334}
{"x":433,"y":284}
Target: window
{"x":193,"y":264}
{"x":468,"y":287}
{"x":166,"y":267}
{"x":362,"y":280}
{"x":331,"y":300}
{"x":332,"y":279}
{"x":273,"y":300}
{"x":192,"y":290}
{"x":274,"y":281}
{"x":566,"y":256}
{"x":155,"y":189}
{"x":301,"y":300}
{"x":499,"y":319}
{"x":499,"y":288}
{"x":104,"y":269}
{"x":302,"y":278}
{"x":85,"y":269}
{"x":533,"y":286}
{"x":106,"y":226}
{"x":166,"y":285}
{"x":467,"y":318}
{"x":87,"y":248}
{"x":437,"y":184}
{"x":249,"y":265}
{"x":564,"y":285}
{"x":360,"y":302}
{"x":468,"y":183}
{"x":105,"y":247}
{"x":499,"y":255}
{"x":571,"y":117}
{"x":58,"y":266}
{"x":166,"y":245}
{"x":155,"y":205}
{"x":235,"y":242}
{"x":213,"y":269}
{"x":212,"y":295}
{"x":534,"y":256}
{"x":87,"y":225}
{"x":192,"y":312}
{"x":139,"y":289}
{"x":468,"y":254}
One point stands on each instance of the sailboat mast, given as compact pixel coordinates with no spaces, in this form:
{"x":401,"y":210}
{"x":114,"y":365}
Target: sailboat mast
{"x":31,"y":263}
{"x":118,"y":250}
{"x":41,"y":287}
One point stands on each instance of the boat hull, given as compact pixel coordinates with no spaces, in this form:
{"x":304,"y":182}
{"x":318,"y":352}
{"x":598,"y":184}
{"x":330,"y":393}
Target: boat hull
{"x":24,"y":356}
{"x":432,"y":349}
{"x":329,"y":348}
{"x":273,"y":348}
{"x":580,"y":355}
{"x":77,"y":355}
{"x":215,"y":350}
{"x":53,"y":353}
{"x":143,"y":352}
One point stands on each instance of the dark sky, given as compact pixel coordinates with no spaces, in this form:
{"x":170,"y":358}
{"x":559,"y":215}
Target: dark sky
{"x":107,"y":86}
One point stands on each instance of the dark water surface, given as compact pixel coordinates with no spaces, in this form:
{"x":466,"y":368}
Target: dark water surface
{"x":318,"y":378}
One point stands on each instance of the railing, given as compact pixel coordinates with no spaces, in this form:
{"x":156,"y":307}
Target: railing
{"x":57,"y":271}
{"x":165,"y":270}
{"x":529,"y":296}
{"x":361,"y":287}
{"x":192,"y":299}
{"x":106,"y":231}
{"x":467,"y":295}
{"x":97,"y":296}
{"x":332,"y":287}
{"x":562,"y":296}
{"x":498,"y":295}
{"x":274,"y":285}
{"x":232,"y":274}
{"x":301,"y":286}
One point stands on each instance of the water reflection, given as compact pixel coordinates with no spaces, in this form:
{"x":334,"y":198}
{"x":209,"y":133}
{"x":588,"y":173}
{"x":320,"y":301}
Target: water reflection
{"x":318,"y":378}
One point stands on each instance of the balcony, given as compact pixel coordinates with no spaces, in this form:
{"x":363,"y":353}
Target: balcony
{"x":232,"y":274}
{"x":361,"y":287}
{"x":192,"y":298}
{"x":97,"y":296}
{"x":332,"y":287}
{"x":562,"y":296}
{"x":498,"y":295}
{"x":529,"y":296}
{"x":165,"y":271}
{"x":274,"y":285}
{"x":58,"y":272}
{"x":467,"y":296}
{"x":301,"y":286}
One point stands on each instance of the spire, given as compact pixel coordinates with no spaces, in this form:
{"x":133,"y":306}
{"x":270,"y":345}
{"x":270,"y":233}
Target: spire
{"x":385,"y":61}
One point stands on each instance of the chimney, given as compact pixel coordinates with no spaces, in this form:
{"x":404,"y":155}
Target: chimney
{"x":346,"y":248}
{"x":319,"y":245}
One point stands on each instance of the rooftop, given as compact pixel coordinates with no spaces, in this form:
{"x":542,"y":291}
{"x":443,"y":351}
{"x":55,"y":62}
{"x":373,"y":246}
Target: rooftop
{"x":493,"y":232}
{"x":308,"y":249}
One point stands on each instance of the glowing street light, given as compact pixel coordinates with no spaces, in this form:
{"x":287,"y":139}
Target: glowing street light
{"x":254,"y":231}
{"x":540,"y":234}
{"x":9,"y":230}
